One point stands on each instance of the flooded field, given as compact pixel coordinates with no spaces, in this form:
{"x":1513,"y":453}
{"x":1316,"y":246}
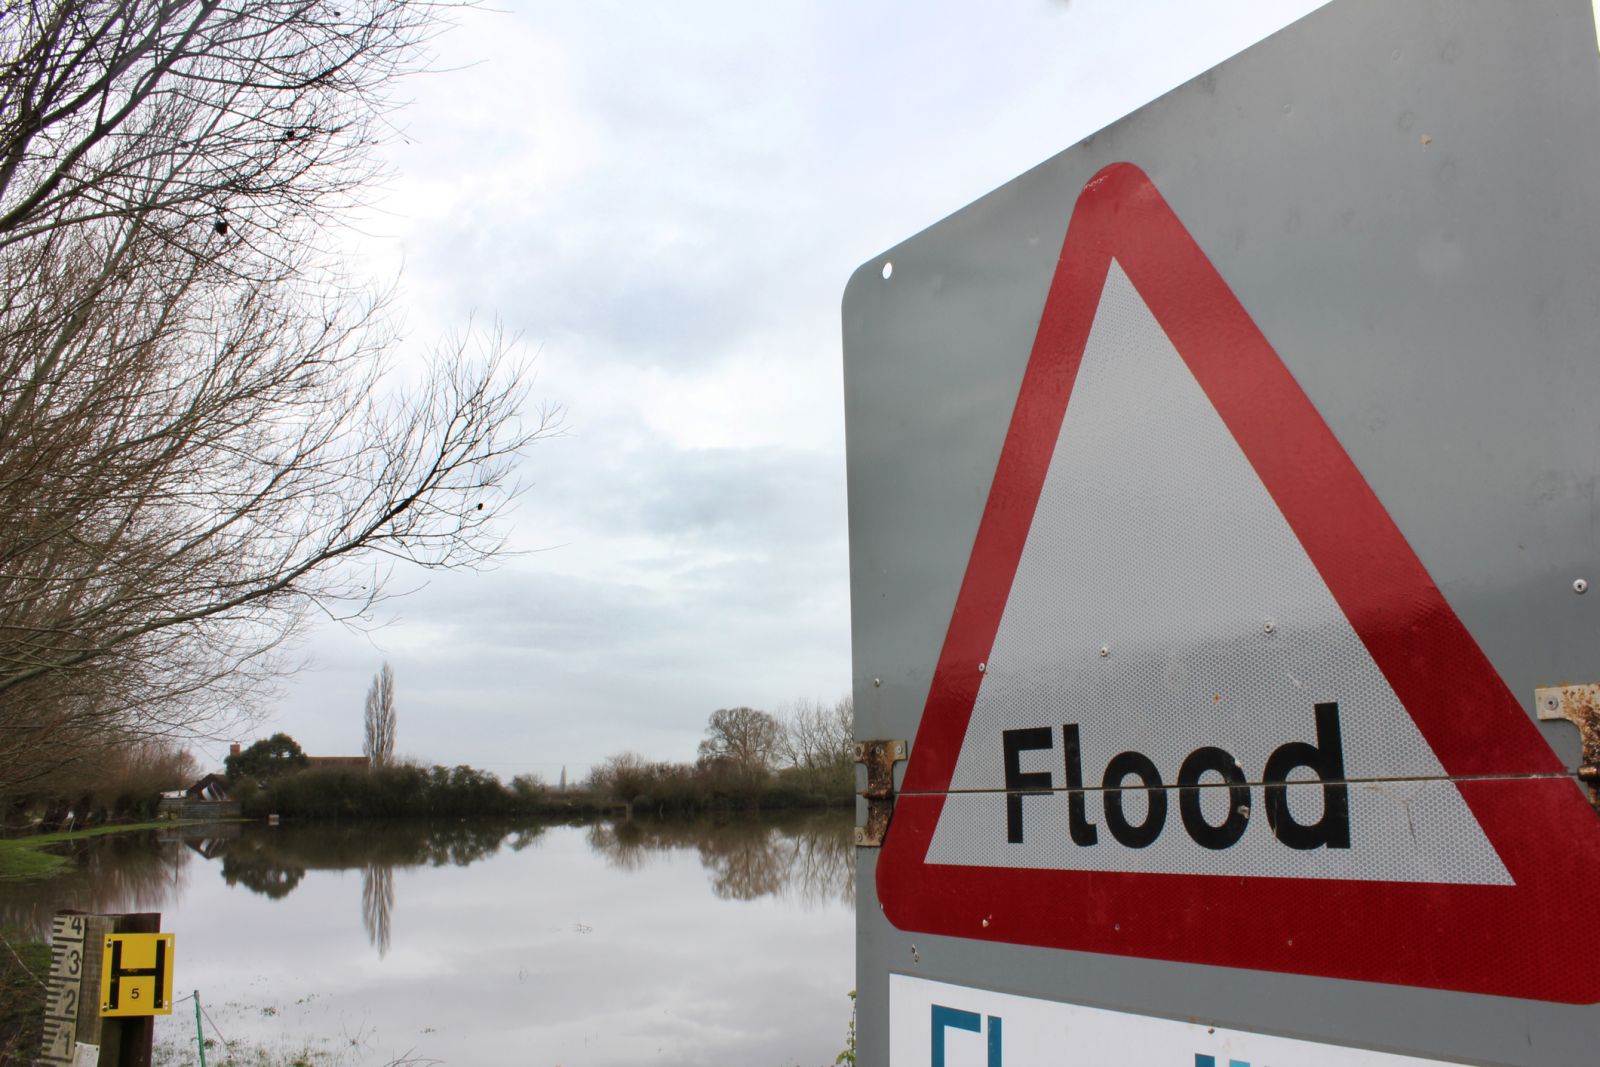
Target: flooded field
{"x":485,"y":943}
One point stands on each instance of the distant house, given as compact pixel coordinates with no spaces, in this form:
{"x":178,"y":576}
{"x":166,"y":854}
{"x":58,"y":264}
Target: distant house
{"x":211,"y":787}
{"x":206,"y":798}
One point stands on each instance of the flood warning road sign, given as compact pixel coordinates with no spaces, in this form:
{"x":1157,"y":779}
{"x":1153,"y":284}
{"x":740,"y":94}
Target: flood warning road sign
{"x":1199,"y":700}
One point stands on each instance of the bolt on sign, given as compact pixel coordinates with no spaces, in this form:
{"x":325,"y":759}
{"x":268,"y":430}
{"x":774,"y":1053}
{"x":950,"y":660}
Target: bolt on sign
{"x":136,"y":975}
{"x":1222,"y":507}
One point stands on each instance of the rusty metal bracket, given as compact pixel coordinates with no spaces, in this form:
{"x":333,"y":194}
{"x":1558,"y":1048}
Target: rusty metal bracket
{"x":1579,"y":705}
{"x":879,"y":758}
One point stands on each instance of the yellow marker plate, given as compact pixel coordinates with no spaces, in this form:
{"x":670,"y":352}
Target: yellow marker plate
{"x":136,"y":975}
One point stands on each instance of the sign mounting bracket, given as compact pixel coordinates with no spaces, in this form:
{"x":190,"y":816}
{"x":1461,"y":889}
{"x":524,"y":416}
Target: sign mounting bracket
{"x":879,"y":757}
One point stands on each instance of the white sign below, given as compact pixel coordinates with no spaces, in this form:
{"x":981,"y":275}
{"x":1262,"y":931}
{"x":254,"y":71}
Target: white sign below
{"x":936,"y":1024}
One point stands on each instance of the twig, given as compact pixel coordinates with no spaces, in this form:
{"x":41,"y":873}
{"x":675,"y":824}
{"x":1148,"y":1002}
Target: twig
{"x":22,"y":963}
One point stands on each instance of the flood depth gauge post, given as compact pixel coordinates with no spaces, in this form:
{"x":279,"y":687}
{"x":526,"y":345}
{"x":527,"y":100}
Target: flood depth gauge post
{"x":1222,"y":500}
{"x":110,"y":975}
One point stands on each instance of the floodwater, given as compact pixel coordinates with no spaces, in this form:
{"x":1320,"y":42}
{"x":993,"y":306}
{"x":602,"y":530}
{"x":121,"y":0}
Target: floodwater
{"x":487,"y":943}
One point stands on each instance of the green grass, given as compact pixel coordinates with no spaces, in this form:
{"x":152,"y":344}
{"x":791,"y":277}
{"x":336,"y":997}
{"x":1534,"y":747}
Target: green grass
{"x":24,"y":966}
{"x":29,"y":864}
{"x":24,"y":859}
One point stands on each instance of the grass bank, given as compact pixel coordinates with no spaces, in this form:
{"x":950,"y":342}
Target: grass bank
{"x":24,"y":967}
{"x":28,"y":858}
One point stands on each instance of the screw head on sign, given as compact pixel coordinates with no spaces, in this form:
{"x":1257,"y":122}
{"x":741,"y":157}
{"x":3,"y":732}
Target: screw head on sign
{"x":1552,"y":703}
{"x":877,"y":682}
{"x":1269,"y":627}
{"x":1580,"y":586}
{"x":1105,"y":650}
{"x":982,"y":667}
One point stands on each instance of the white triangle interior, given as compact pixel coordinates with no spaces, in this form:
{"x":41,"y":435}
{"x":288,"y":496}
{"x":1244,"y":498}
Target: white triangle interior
{"x":1162,"y":603}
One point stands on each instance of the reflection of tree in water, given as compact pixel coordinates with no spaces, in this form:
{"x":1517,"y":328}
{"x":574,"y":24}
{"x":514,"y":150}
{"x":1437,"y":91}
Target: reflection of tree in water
{"x":822,"y":864}
{"x":746,"y":867}
{"x":806,"y":858}
{"x":273,"y":862}
{"x":111,"y":874}
{"x":143,"y":871}
{"x":377,"y":905}
{"x":270,"y":879}
{"x":524,"y":836}
{"x":358,"y":846}
{"x":626,"y":844}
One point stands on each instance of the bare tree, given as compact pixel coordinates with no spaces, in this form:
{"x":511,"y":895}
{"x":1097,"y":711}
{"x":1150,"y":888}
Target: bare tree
{"x":200,"y":445}
{"x":380,"y":720}
{"x":821,"y":736}
{"x":748,"y":741}
{"x":197,"y":118}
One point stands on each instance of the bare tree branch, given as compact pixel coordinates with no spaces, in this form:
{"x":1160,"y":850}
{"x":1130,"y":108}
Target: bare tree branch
{"x":199,"y":442}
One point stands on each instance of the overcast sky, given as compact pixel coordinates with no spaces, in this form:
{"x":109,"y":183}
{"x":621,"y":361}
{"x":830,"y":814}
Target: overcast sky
{"x":665,"y":201}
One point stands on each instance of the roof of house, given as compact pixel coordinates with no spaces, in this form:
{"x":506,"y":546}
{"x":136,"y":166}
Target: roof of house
{"x":214,"y":785}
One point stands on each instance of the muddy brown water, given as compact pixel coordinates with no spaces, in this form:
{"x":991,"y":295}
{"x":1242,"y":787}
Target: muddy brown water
{"x":602,"y":943}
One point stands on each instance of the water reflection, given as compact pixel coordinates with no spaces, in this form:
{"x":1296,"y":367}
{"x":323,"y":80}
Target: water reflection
{"x":801,"y":859}
{"x":118,"y":873}
{"x":377,"y":905}
{"x":604,"y":944}
{"x":805,"y":859}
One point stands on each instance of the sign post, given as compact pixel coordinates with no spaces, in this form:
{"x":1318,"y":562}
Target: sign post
{"x":1221,"y":497}
{"x":109,"y":976}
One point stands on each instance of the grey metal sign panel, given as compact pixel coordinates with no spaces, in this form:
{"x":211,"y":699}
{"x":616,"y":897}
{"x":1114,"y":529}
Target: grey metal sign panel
{"x":1400,"y":198}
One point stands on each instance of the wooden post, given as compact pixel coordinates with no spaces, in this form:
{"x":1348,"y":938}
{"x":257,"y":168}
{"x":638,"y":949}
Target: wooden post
{"x":138,"y":1032}
{"x":101,"y":1034}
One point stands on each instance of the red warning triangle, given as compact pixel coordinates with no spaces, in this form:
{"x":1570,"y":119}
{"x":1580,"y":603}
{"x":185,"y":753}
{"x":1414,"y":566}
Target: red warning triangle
{"x":1199,"y":700}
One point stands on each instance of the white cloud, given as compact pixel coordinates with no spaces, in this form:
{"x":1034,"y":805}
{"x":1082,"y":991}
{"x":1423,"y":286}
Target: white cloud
{"x":666,"y":202}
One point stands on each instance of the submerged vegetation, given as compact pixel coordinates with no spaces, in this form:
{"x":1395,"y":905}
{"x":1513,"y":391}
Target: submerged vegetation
{"x":27,"y":858}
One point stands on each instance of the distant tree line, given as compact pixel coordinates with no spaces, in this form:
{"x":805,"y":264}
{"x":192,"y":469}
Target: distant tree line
{"x":274,"y":777}
{"x":102,"y":785}
{"x":748,"y":759}
{"x":400,"y":791}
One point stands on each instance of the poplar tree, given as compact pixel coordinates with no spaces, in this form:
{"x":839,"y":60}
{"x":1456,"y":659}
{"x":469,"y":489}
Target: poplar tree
{"x":380,"y":720}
